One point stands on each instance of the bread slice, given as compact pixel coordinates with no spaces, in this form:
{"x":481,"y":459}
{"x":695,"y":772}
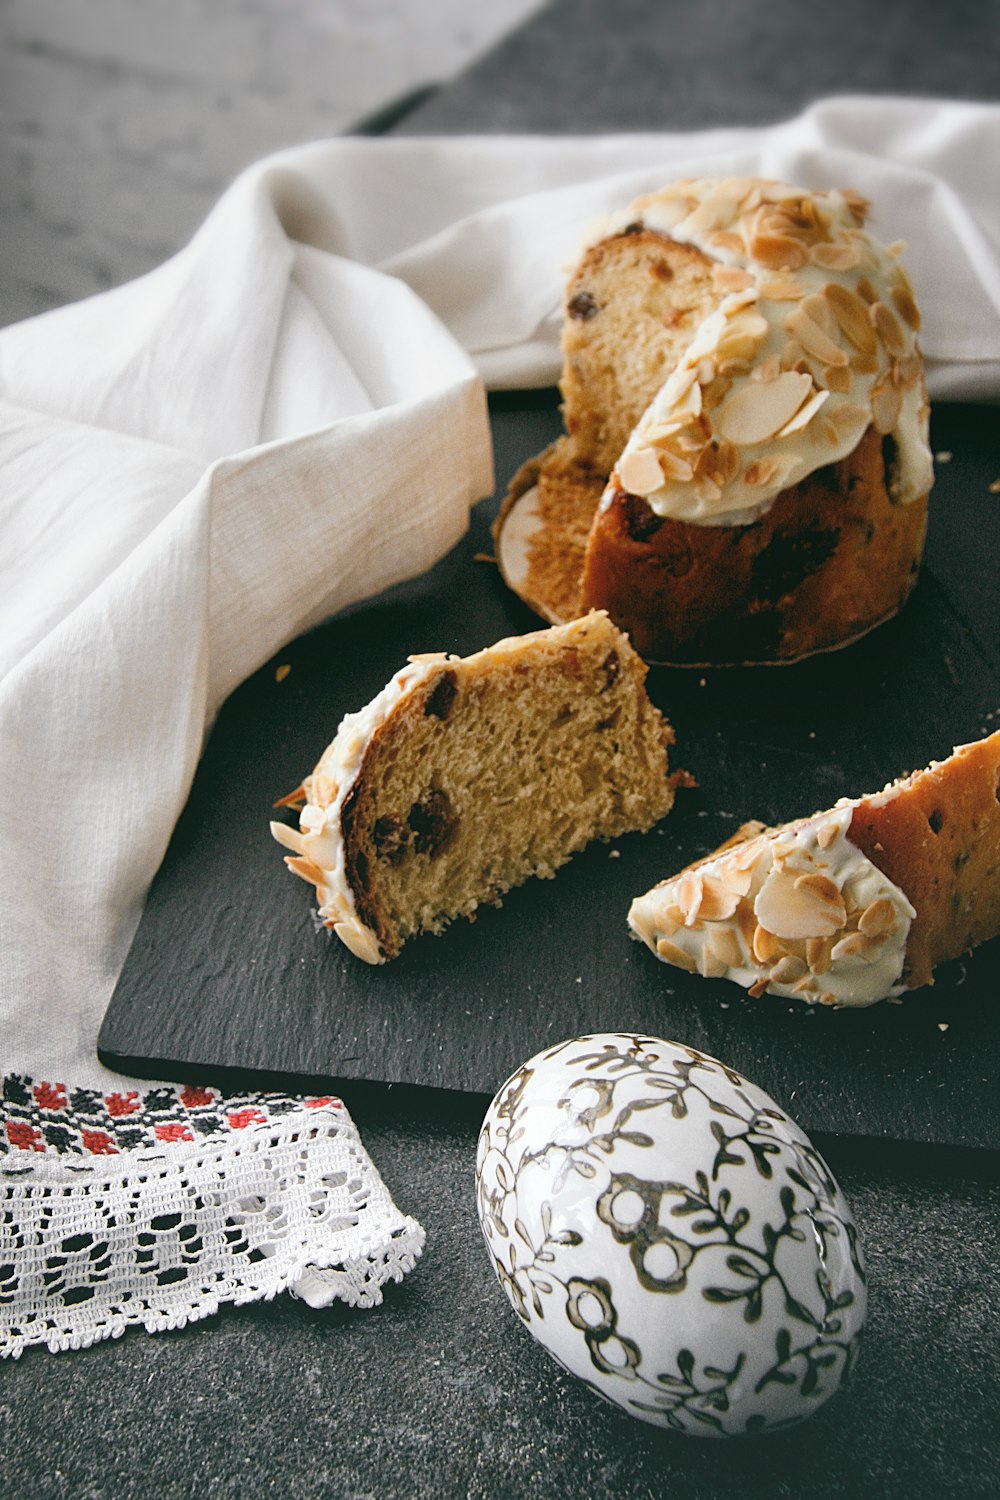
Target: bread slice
{"x":850,"y":906}
{"x":466,"y":776}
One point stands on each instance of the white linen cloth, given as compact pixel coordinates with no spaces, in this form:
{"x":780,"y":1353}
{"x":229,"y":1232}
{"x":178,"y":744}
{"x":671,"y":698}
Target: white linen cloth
{"x":288,"y":417}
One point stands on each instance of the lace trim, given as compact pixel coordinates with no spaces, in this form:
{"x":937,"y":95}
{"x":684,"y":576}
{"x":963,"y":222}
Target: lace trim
{"x":159,"y":1208}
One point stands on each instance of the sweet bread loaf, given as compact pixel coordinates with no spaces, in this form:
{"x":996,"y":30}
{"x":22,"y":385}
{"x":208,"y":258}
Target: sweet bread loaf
{"x":465,"y":776}
{"x":850,"y":906}
{"x":745,"y":469}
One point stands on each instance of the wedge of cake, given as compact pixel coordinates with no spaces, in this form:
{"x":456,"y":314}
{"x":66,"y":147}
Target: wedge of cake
{"x":465,"y":776}
{"x":850,"y":906}
{"x":745,"y":468}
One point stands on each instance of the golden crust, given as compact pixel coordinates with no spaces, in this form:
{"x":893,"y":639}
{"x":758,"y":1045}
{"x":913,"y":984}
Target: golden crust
{"x":936,"y":834}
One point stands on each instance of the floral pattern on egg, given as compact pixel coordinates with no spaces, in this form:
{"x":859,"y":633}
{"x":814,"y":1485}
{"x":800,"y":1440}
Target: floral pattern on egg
{"x":669,"y":1235}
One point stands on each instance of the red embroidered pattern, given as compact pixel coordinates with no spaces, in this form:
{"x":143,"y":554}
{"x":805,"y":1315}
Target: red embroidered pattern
{"x":50,"y":1116}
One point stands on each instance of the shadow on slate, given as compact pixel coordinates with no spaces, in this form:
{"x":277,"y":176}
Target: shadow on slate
{"x":228,"y":970}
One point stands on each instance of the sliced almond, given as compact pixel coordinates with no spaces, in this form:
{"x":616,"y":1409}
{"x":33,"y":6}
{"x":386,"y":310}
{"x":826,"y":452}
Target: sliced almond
{"x":717,"y":391}
{"x":671,"y":954}
{"x":852,"y":317}
{"x":778,"y":252}
{"x":756,"y":411}
{"x":887,"y":403}
{"x":905,"y":304}
{"x":877,"y":918}
{"x":782,"y":291}
{"x":689,"y":891}
{"x":789,"y":906}
{"x":747,"y":923}
{"x":290,"y":838}
{"x":906,"y":372}
{"x":717,"y":901}
{"x":761,"y":471}
{"x":709,"y":966}
{"x":888,"y":328}
{"x":818,"y":954}
{"x":855,"y":945}
{"x":826,"y":835}
{"x":836,"y":378}
{"x":765,"y":946}
{"x":813,"y":339}
{"x":866,"y":291}
{"x":789,"y":969}
{"x":835,"y":257}
{"x":726,"y":240}
{"x":640,"y":472}
{"x":805,"y":414}
{"x":769,"y":369}
{"x":360,"y":940}
{"x":726,"y":947}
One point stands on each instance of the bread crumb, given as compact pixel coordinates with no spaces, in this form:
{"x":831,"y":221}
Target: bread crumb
{"x":282,"y":672}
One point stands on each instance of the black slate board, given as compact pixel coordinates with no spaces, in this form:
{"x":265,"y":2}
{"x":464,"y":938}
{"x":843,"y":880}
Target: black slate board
{"x":228,"y":970}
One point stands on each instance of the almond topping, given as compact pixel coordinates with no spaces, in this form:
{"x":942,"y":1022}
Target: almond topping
{"x":788,"y":969}
{"x":906,"y":371}
{"x":905,"y":304}
{"x":725,"y":240}
{"x":836,"y":378}
{"x":888,"y":328}
{"x":640,"y":472}
{"x":826,"y":835}
{"x":818,"y":954}
{"x":854,"y":945}
{"x":851,"y":315}
{"x":689,"y":892}
{"x":288,"y":837}
{"x":717,"y":903}
{"x":887,"y":402}
{"x":306,"y":870}
{"x":778,"y":252}
{"x":746,"y":922}
{"x":768,"y":370}
{"x":805,"y":414}
{"x":757,"y":411}
{"x":725,"y":946}
{"x":761,"y":471}
{"x":359,"y":940}
{"x":781,"y":291}
{"x":709,"y":966}
{"x":765,"y":945}
{"x":866,"y":291}
{"x":671,"y":954}
{"x":799,"y":906}
{"x":717,"y":391}
{"x":878,"y":918}
{"x":813,"y":339}
{"x":835,"y":257}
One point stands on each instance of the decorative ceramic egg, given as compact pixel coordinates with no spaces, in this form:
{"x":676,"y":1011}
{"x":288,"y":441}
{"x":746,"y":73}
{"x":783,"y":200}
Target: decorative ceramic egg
{"x":668,"y":1234}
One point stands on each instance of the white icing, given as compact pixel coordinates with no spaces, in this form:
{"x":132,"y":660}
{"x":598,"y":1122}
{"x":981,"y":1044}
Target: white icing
{"x":321,"y":840}
{"x":716,"y":933}
{"x":744,"y":341}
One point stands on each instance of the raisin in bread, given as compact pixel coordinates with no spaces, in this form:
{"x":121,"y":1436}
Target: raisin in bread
{"x":850,"y":906}
{"x":745,"y":469}
{"x":465,"y":776}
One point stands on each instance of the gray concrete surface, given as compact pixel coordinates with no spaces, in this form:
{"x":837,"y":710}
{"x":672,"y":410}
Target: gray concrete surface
{"x":121,"y":121}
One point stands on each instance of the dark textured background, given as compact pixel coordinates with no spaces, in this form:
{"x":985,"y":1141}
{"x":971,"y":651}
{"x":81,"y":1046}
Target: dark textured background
{"x":440,"y":1392}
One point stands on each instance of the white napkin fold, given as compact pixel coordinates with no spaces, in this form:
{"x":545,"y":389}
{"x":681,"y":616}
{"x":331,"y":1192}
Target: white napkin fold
{"x":288,"y":417}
